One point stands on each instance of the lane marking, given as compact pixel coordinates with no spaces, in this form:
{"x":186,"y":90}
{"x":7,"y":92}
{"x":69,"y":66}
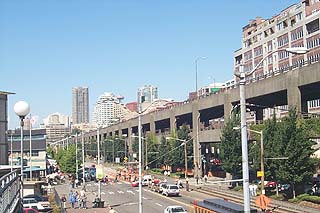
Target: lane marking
{"x":103,"y":193}
{"x":158,"y":204}
{"x":129,"y":191}
{"x":111,"y":193}
{"x":120,"y":192}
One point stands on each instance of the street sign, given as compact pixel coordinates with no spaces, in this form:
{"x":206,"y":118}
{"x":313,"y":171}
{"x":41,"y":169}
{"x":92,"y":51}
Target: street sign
{"x":263,"y":201}
{"x":117,"y":160}
{"x":260,"y":173}
{"x":99,"y":172}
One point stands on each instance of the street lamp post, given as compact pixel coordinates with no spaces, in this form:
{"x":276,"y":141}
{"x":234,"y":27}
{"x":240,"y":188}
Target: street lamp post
{"x":140,"y":156}
{"x":197,"y":164}
{"x":21,"y":108}
{"x":196,"y":65}
{"x":76,"y":141}
{"x":261,"y":158}
{"x":244,"y":140}
{"x":184,"y":142}
{"x":84,"y":181}
{"x":98,"y":155}
{"x":261,"y":155}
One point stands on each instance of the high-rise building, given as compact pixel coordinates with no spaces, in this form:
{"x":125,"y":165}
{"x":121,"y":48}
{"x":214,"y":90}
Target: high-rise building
{"x":3,"y":127}
{"x":80,"y":105}
{"x":109,"y":110}
{"x":57,"y":126}
{"x":148,"y":93}
{"x":295,"y":26}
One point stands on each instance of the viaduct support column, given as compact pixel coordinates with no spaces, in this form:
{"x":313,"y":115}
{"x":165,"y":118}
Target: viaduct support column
{"x":152,"y":125}
{"x":293,"y":91}
{"x":173,"y":122}
{"x":227,"y":107}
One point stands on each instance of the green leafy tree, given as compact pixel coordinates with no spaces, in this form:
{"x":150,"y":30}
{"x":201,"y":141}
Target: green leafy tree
{"x":299,"y":166}
{"x":183,"y":134}
{"x":164,"y":151}
{"x":66,"y":159}
{"x":153,"y":151}
{"x":230,"y":150}
{"x":273,"y":148}
{"x":50,"y":151}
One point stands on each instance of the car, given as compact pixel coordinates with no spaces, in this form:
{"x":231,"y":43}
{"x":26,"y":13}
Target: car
{"x":173,"y":209}
{"x":42,"y":200}
{"x":159,"y":187}
{"x":34,"y":204}
{"x":171,"y":189}
{"x":135,"y":184}
{"x":29,"y":210}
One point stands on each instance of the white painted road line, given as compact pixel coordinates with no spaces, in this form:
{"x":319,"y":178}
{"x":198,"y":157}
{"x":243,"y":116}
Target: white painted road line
{"x":158,"y":204}
{"x":120,"y":192}
{"x":129,"y":191}
{"x":103,"y":193}
{"x":111,"y":193}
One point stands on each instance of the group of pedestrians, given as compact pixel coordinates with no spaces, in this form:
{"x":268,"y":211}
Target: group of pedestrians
{"x":253,"y":189}
{"x":75,"y":197}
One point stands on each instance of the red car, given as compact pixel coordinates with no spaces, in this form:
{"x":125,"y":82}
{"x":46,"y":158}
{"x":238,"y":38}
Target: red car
{"x":270,"y":184}
{"x":135,"y":184}
{"x":29,"y":210}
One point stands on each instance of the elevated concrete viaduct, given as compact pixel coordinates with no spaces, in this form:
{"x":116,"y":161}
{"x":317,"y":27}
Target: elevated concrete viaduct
{"x":292,"y":87}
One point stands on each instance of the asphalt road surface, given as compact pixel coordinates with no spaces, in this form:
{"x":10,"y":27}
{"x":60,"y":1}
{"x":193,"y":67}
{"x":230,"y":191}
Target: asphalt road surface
{"x":125,"y":198}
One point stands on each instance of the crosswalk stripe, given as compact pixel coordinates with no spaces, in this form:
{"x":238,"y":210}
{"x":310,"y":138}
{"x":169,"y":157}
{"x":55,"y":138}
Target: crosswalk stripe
{"x":120,"y":192}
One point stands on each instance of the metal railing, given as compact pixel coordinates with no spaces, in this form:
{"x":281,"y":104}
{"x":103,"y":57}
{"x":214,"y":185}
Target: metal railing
{"x":10,"y":186}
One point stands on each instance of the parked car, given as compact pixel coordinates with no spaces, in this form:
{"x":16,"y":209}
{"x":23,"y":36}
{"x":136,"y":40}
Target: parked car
{"x":34,"y":204}
{"x":171,"y":189}
{"x":29,"y":210}
{"x":173,"y":209}
{"x":42,"y":200}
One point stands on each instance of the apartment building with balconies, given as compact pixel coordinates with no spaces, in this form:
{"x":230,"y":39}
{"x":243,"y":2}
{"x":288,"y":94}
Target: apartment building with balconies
{"x":295,"y":26}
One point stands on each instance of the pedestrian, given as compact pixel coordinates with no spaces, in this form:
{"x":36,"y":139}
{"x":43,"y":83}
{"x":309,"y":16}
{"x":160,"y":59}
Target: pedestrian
{"x":255,"y":187}
{"x":64,"y":200}
{"x":187,"y":185}
{"x":251,"y":189}
{"x":205,"y":178}
{"x":84,"y":201}
{"x":79,"y":200}
{"x":197,"y":179}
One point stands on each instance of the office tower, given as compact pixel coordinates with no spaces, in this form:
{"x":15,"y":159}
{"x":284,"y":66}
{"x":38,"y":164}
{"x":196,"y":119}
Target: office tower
{"x":80,"y":105}
{"x":148,"y":93}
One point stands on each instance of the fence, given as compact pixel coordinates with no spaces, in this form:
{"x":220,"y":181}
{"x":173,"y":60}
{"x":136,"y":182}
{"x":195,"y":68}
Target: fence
{"x":10,"y":192}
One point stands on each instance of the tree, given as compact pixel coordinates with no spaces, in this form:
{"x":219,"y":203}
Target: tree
{"x":297,"y":146}
{"x":153,"y":150}
{"x":183,"y":134}
{"x":165,"y":156}
{"x":230,"y":150}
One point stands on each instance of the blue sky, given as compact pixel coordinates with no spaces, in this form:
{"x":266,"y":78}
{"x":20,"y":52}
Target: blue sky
{"x":48,"y":47}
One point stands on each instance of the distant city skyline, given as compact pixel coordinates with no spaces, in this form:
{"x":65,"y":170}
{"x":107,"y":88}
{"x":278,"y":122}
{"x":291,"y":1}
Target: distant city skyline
{"x":47,"y":48}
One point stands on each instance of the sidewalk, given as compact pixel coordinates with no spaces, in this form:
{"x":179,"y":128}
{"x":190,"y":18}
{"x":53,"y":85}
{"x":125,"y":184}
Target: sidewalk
{"x":64,"y":189}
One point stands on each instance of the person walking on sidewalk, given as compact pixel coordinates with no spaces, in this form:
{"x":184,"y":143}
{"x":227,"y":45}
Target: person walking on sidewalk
{"x":64,"y":201}
{"x":187,"y":184}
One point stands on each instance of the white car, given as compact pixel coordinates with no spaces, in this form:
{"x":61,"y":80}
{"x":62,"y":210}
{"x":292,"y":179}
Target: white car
{"x":173,"y":209}
{"x":33,"y":203}
{"x":171,"y":189}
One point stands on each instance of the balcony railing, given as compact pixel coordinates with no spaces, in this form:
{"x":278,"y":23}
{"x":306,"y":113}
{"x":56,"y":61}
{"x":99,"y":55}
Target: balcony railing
{"x":10,"y":192}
